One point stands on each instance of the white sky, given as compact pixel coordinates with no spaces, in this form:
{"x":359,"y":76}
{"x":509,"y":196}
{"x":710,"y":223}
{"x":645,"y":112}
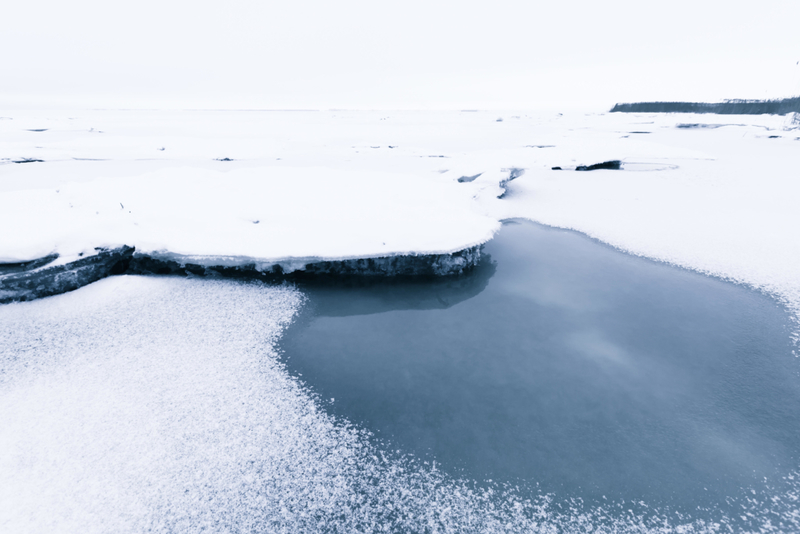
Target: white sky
{"x":401,"y":54}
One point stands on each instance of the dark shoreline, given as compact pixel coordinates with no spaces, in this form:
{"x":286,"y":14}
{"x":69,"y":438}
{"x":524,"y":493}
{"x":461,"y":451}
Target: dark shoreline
{"x":728,"y":107}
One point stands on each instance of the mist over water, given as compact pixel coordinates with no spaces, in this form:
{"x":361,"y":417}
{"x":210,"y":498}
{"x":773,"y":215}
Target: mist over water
{"x":565,"y":367}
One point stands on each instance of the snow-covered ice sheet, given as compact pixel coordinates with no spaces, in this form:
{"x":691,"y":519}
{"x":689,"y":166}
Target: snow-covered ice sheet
{"x":276,"y":214}
{"x":717,"y":194}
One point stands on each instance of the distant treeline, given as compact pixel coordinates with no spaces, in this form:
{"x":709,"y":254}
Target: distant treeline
{"x":729,"y":107}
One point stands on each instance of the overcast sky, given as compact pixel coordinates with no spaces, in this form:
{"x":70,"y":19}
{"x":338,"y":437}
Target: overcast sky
{"x":403,"y":54}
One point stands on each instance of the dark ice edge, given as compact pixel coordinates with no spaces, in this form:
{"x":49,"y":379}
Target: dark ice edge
{"x":35,"y":279}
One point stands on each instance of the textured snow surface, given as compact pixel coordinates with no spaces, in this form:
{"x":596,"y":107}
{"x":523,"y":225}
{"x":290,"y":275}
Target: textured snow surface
{"x":716,"y":194}
{"x":147,"y":404}
{"x":156,"y":404}
{"x":262,"y":213}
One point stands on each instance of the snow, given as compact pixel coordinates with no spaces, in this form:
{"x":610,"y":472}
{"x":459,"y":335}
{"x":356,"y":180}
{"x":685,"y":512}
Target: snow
{"x":326,"y":185}
{"x":159,"y":404}
{"x":145,"y":404}
{"x":262,"y":214}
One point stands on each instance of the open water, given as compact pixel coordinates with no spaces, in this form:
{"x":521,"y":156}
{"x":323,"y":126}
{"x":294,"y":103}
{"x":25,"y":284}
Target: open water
{"x":568,"y":368}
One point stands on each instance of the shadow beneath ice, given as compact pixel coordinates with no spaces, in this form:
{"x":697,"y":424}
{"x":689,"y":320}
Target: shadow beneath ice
{"x":358,"y":295}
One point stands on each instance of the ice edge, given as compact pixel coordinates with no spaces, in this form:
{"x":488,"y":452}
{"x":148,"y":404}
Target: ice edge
{"x":46,"y":280}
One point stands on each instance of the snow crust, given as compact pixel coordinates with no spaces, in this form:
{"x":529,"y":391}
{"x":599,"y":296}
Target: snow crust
{"x":265,"y":214}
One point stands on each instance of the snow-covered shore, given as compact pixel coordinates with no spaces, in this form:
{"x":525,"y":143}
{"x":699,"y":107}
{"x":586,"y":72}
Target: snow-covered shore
{"x":709,"y":193}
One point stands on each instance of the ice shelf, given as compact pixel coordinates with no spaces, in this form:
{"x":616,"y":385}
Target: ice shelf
{"x":273,"y":191}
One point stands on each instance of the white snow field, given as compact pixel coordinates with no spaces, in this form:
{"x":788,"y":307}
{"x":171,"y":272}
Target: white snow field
{"x":712,"y":193}
{"x":141,"y":404}
{"x":145,"y":404}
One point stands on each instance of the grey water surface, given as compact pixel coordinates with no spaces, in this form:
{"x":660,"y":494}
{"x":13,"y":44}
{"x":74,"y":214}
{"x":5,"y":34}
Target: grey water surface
{"x":566,"y":367}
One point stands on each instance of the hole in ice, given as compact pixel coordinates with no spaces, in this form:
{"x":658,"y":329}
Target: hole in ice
{"x":568,"y":368}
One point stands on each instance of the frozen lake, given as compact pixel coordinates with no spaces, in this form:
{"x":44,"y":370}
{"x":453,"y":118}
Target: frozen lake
{"x":566,"y":367}
{"x":561,"y":365}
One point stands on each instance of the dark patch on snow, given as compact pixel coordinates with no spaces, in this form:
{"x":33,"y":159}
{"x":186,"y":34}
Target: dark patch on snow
{"x":556,"y":168}
{"x":639,"y":132}
{"x":223,"y":159}
{"x":37,"y":129}
{"x":613,"y":165}
{"x":28,"y":160}
{"x":466,"y":179}
{"x":540,"y":146}
{"x":774,"y":137}
{"x":698,"y":125}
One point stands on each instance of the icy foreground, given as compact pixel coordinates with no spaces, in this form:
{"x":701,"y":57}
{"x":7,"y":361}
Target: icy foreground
{"x":146,"y":404}
{"x":157,"y":405}
{"x":710,"y":193}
